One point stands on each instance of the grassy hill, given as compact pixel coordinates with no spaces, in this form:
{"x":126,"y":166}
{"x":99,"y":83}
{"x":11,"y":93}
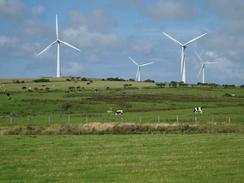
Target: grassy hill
{"x":75,"y":101}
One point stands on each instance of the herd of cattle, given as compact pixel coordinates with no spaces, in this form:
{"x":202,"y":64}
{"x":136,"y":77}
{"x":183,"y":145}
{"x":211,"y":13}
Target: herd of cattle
{"x":120,"y":112}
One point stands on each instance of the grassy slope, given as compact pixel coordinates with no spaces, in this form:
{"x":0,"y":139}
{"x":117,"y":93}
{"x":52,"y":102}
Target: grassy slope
{"x":122,"y":158}
{"x":141,"y":105}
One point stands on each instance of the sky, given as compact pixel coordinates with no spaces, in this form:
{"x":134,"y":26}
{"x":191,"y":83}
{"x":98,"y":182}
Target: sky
{"x":108,"y":31}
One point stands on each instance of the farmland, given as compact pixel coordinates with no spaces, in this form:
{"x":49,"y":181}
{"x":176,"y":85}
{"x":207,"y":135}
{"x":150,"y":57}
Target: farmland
{"x":157,"y":139}
{"x":123,"y":158}
{"x":61,"y":101}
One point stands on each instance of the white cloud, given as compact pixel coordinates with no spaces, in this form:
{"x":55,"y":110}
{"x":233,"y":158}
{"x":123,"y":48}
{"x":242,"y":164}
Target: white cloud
{"x":142,"y":46}
{"x":171,"y":9}
{"x":98,"y":20}
{"x":86,"y":39}
{"x":38,"y":10}
{"x":11,"y":9}
{"x":72,"y":68}
{"x":7,"y":41}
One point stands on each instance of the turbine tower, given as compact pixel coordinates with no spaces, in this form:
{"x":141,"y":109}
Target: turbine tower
{"x":138,"y":73}
{"x":58,"y":42}
{"x":183,"y":54}
{"x":203,"y":66}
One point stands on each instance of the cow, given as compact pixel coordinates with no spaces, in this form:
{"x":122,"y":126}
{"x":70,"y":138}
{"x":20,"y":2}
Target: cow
{"x":119,"y":112}
{"x":198,"y":110}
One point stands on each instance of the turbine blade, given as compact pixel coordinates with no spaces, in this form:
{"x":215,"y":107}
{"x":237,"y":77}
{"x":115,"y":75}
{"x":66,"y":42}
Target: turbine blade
{"x":200,"y":71}
{"x":146,"y":64}
{"x":198,"y":56}
{"x":133,"y":61}
{"x":57,"y":26}
{"x":194,"y":39}
{"x":49,"y":46}
{"x":208,"y":62}
{"x":71,"y":46}
{"x":173,"y":39}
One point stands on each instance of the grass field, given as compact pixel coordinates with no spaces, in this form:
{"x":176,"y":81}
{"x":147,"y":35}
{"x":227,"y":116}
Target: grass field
{"x":79,"y":102}
{"x":123,"y":158}
{"x":162,"y":141}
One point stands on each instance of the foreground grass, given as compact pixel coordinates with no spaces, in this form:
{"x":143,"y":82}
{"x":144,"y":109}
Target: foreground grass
{"x":122,"y":158}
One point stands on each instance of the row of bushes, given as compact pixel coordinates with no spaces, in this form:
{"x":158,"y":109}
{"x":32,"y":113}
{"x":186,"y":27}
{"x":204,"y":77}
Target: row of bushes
{"x":124,"y":128}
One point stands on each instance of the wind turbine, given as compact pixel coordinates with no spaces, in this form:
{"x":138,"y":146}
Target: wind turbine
{"x":203,"y":66}
{"x":58,"y":42}
{"x":138,"y":73}
{"x":183,"y":50}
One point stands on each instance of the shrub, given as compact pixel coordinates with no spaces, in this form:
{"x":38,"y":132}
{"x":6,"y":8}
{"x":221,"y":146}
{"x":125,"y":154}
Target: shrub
{"x":149,"y":81}
{"x":71,"y":88}
{"x":41,"y":80}
{"x":160,"y":85}
{"x":115,"y":79}
{"x":127,"y":85}
{"x":84,"y":79}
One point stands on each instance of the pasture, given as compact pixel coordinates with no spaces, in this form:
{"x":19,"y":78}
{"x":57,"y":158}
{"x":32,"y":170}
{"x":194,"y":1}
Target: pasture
{"x":76,"y":101}
{"x":123,"y":158}
{"x":162,"y":141}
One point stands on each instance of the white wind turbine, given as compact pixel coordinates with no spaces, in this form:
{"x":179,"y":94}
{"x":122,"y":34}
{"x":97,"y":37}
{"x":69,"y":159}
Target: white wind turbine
{"x":58,"y":42}
{"x":183,"y":49}
{"x":138,"y":73}
{"x":203,"y":66}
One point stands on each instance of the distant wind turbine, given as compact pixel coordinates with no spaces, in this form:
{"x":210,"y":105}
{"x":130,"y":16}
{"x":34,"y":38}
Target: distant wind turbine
{"x":183,"y":49}
{"x":138,"y":73}
{"x":203,"y":66}
{"x":58,"y":42}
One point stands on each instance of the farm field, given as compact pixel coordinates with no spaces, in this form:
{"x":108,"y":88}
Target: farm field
{"x":76,"y":101}
{"x":123,"y":158}
{"x":157,"y":139}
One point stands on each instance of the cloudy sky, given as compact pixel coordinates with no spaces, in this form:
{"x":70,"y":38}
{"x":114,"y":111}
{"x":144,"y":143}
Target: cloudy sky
{"x":109,"y":31}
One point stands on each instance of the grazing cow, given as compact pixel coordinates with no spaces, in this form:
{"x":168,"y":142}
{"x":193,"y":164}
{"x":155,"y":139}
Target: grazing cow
{"x":119,"y":112}
{"x":198,"y":110}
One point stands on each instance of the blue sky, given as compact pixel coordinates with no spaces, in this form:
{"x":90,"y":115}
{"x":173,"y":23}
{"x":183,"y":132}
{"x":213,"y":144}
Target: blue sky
{"x":108,"y":31}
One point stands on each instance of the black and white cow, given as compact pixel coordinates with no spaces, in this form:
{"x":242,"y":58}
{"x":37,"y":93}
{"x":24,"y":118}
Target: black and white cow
{"x":119,"y":112}
{"x":198,"y":110}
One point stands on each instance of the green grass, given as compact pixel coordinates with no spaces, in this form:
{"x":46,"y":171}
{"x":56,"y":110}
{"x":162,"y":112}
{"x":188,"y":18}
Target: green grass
{"x":143,"y":103}
{"x":123,"y":158}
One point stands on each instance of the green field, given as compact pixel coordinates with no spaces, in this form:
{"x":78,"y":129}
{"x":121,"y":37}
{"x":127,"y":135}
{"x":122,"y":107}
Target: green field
{"x":80,"y":102}
{"x":123,"y":158}
{"x":157,"y":139}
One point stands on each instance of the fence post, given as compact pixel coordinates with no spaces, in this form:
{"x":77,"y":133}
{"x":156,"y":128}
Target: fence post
{"x":158,"y":119}
{"x":68,"y":118}
{"x":177,"y":118}
{"x":11,"y":120}
{"x":49,"y":120}
{"x":229,"y":119}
